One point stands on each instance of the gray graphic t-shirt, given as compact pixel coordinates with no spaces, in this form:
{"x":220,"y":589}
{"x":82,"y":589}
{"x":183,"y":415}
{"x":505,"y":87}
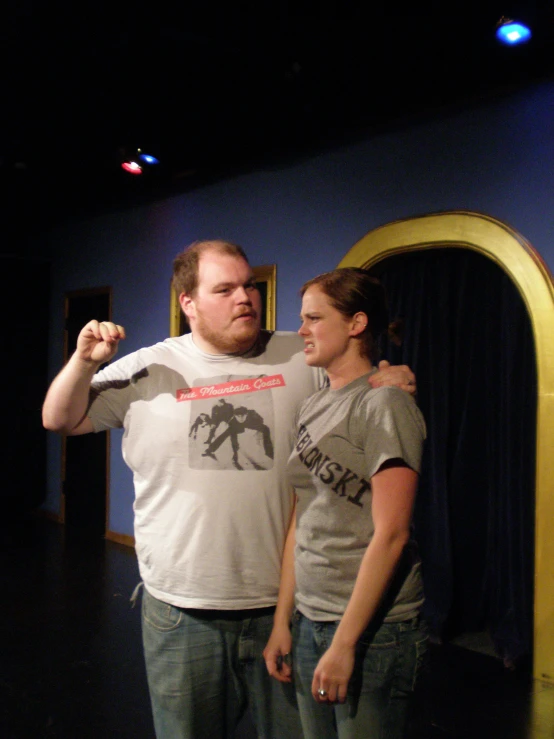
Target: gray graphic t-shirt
{"x":344,"y":437}
{"x":207,"y":438}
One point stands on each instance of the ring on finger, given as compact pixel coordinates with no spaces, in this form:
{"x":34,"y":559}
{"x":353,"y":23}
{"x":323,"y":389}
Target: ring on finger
{"x":322,"y":693}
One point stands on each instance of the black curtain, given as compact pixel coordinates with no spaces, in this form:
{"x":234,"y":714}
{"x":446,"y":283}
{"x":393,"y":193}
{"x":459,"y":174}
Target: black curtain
{"x":469,"y":340}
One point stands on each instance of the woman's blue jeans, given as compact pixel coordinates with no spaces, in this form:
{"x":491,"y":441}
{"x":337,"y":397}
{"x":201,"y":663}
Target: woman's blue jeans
{"x":388,"y":662}
{"x":205,"y":667}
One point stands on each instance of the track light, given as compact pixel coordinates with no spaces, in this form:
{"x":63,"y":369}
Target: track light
{"x":147,"y":158}
{"x":512,"y":32}
{"x":135,"y":163}
{"x":132,"y":167}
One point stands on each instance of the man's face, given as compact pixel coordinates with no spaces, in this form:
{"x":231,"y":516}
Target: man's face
{"x":224,"y":313}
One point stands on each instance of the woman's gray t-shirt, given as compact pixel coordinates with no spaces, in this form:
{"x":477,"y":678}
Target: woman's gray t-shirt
{"x":344,"y":437}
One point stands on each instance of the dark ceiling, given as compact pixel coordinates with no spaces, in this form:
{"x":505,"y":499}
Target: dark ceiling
{"x":216,"y":87}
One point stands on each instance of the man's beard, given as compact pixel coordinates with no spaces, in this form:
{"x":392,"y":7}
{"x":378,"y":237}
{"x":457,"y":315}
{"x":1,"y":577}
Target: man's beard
{"x":239,"y":338}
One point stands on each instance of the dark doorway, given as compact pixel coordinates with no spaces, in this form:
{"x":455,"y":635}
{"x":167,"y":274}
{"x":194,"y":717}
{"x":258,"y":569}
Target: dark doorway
{"x":469,"y":339}
{"x":85,"y":458}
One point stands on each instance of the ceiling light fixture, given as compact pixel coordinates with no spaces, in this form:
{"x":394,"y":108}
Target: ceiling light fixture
{"x":132,"y":167}
{"x":147,"y":158}
{"x":512,"y":32}
{"x":135,"y":163}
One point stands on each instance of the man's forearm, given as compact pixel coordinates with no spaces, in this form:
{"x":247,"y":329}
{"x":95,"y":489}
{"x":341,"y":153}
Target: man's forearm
{"x":67,"y":399}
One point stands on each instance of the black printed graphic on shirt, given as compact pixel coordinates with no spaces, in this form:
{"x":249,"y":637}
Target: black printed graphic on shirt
{"x":232,"y":422}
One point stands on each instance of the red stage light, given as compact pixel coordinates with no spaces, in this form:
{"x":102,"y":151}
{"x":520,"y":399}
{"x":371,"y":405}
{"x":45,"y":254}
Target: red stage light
{"x":132,"y":167}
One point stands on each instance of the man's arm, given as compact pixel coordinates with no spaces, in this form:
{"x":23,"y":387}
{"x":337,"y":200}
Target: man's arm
{"x":67,"y":399}
{"x":399,"y":375}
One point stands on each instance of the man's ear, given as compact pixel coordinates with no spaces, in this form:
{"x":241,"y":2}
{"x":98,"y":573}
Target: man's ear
{"x":358,"y":323}
{"x":187,"y":305}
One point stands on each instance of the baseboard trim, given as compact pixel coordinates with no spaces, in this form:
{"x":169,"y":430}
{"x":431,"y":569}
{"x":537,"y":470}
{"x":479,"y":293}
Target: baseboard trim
{"x":50,"y":515}
{"x":125,"y":539}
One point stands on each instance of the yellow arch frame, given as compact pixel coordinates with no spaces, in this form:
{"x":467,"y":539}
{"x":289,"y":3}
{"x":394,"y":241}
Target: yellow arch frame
{"x":499,"y":242}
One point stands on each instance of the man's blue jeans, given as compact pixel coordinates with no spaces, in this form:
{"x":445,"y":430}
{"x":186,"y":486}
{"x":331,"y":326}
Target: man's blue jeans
{"x":205,"y":667}
{"x":388,"y":662}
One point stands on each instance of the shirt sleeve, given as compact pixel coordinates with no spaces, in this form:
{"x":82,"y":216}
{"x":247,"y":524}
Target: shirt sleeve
{"x":394,"y":429}
{"x":113,"y":389}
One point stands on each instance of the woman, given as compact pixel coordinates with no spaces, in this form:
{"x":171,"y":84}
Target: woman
{"x":357,"y":638}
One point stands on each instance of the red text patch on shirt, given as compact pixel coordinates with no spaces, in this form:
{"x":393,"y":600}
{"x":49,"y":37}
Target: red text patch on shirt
{"x":235,"y":387}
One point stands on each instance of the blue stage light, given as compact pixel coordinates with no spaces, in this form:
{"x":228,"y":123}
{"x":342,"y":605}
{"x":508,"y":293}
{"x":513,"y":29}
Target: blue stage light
{"x":512,"y":32}
{"x":148,"y":158}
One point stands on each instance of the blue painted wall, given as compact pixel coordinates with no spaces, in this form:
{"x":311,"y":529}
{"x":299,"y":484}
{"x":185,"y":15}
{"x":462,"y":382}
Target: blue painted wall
{"x":496,"y":158}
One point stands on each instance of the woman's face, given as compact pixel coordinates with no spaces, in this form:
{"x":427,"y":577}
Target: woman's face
{"x":326,"y":332}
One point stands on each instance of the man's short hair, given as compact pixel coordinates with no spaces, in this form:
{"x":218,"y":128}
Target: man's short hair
{"x":185,"y":264}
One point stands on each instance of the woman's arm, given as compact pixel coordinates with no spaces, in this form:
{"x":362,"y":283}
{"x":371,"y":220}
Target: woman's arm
{"x":394,"y":489}
{"x":280,"y":640}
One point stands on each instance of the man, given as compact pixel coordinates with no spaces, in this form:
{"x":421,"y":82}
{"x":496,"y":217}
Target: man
{"x":209,"y":534}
